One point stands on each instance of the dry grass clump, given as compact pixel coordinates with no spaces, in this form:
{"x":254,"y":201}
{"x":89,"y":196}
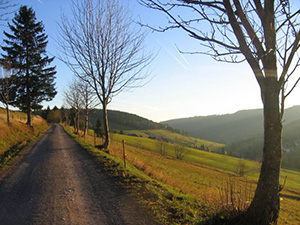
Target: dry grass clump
{"x":236,"y":195}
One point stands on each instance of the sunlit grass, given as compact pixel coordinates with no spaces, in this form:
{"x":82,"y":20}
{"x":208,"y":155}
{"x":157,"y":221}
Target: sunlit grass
{"x":18,"y":133}
{"x":203,"y":175}
{"x":212,"y":160}
{"x":175,"y":138}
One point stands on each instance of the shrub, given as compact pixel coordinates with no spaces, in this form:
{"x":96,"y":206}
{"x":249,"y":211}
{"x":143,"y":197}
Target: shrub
{"x":180,"y":151}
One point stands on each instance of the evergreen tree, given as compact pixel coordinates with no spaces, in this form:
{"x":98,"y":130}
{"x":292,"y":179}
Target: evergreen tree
{"x":26,"y":51}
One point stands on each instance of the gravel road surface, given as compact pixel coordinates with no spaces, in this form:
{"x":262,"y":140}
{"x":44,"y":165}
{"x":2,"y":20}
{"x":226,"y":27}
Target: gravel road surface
{"x":57,"y":182}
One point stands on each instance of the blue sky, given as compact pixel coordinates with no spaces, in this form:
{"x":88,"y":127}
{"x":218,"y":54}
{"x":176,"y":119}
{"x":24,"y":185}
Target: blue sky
{"x":180,"y":86}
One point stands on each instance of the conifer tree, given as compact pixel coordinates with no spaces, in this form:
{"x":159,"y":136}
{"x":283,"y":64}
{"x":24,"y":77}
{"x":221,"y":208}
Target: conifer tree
{"x":26,"y":51}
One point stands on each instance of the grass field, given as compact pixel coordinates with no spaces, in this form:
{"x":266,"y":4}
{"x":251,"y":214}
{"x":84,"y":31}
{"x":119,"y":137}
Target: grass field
{"x":17,"y":135}
{"x":171,"y":137}
{"x":212,"y":160}
{"x":207,"y":177}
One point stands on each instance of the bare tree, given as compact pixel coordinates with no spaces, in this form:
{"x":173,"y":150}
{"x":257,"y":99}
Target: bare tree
{"x":7,"y":88}
{"x":6,"y":78}
{"x":6,"y":8}
{"x":266,"y":35}
{"x":102,"y":48}
{"x":89,"y":102}
{"x":73,"y":98}
{"x":161,"y":146}
{"x":180,"y":151}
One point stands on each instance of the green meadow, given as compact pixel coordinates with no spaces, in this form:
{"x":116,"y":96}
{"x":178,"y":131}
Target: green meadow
{"x":207,"y":177}
{"x":209,"y":159}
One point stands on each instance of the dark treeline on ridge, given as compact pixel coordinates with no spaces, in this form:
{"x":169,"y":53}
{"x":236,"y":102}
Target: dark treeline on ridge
{"x":118,"y":120}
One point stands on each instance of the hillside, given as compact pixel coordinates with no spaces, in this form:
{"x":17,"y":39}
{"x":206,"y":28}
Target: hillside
{"x":221,"y":128}
{"x":124,"y":121}
{"x":243,"y":133}
{"x":133,"y":125}
{"x":232,"y":127}
{"x":18,"y":135}
{"x":118,"y":121}
{"x":174,"y":138}
{"x":18,"y":132}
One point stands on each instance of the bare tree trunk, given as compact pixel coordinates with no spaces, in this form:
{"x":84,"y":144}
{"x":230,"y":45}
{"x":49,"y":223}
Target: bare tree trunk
{"x":77,"y":121}
{"x":29,"y":121}
{"x":265,"y":206}
{"x":28,"y":103}
{"x":7,"y":114}
{"x":106,"y":127}
{"x":86,"y":123}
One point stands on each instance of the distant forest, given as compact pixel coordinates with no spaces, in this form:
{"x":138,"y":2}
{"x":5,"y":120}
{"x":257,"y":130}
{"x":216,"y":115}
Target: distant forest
{"x":118,"y":120}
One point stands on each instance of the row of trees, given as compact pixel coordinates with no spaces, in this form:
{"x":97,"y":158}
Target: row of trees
{"x":104,"y":50}
{"x":26,"y":78}
{"x":69,"y":116}
{"x":81,"y":98}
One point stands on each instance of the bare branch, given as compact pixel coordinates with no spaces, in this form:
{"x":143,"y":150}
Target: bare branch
{"x":6,"y":9}
{"x":103,"y":48}
{"x":7,"y":87}
{"x":182,"y":24}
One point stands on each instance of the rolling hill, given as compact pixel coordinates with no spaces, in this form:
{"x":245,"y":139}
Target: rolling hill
{"x":124,"y":121}
{"x":234,"y":127}
{"x":222,"y":128}
{"x":242,"y":132}
{"x":133,"y":125}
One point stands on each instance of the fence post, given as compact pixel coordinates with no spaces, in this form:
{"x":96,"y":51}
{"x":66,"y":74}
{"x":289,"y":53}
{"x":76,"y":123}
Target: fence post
{"x":124,"y":153}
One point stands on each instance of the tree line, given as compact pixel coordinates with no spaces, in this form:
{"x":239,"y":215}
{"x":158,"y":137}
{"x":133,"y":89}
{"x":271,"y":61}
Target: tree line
{"x":70,"y":117}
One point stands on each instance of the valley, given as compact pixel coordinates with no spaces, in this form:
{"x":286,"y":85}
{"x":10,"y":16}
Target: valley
{"x":242,"y":132}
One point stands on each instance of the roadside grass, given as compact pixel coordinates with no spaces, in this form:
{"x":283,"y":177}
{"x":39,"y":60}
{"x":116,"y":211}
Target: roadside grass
{"x":205,"y":178}
{"x":169,"y":204}
{"x":16,"y":136}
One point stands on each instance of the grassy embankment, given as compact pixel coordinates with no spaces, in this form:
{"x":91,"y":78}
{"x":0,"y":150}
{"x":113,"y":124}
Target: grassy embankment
{"x":18,"y":135}
{"x":193,"y":189}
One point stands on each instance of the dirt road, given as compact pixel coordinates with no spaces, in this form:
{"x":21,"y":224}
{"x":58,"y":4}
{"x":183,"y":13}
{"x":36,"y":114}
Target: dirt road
{"x":57,"y":182}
